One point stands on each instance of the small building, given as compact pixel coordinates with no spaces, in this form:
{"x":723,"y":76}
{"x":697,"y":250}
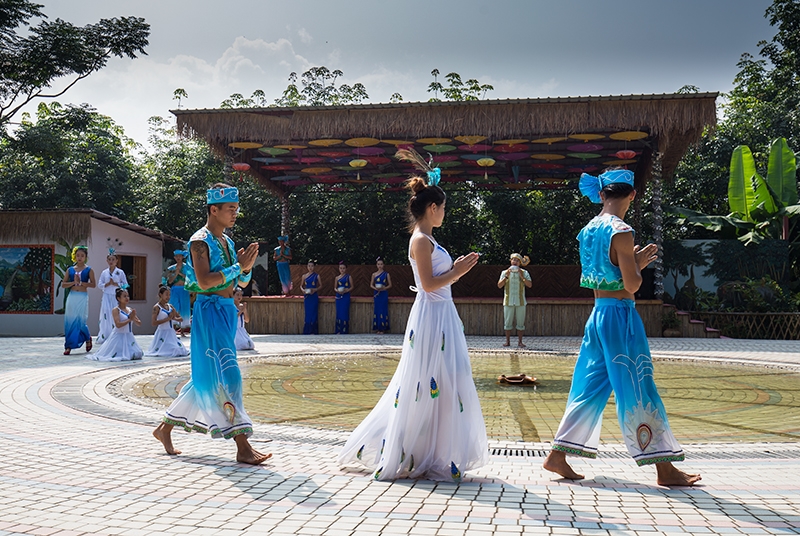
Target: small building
{"x":35,"y":248}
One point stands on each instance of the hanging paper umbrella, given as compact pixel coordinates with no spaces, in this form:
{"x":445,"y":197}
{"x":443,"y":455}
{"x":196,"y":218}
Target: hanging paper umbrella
{"x":586,"y":137}
{"x":549,"y":141}
{"x":273,"y":151}
{"x":486,"y":163}
{"x":548,"y":156}
{"x":358,"y":164}
{"x":584,"y":148}
{"x":625,"y":154}
{"x":584,"y":156}
{"x":377,"y":160}
{"x":241,"y":166}
{"x":324,"y":143}
{"x":245,"y":145}
{"x":362,"y":142}
{"x":290,"y":147}
{"x":368,"y":151}
{"x":619,"y":162}
{"x":278,"y":167}
{"x":433,"y":141}
{"x":512,"y":156}
{"x":510,"y":142}
{"x":629,"y":135}
{"x":470,"y":140}
{"x":475,"y":148}
{"x":439,"y":148}
{"x":333,"y":154}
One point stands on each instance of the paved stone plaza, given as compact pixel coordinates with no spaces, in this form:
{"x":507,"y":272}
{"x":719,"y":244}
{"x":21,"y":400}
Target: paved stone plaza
{"x":78,"y":458}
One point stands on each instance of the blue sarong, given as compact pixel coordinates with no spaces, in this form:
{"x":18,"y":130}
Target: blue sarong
{"x":285,"y":275}
{"x":181,"y":301}
{"x":380,"y":317}
{"x":76,"y":314}
{"x":615,"y":356}
{"x":311,"y":306}
{"x":343,"y":306}
{"x":211,"y":401}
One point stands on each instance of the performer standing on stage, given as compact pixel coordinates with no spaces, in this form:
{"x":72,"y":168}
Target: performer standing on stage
{"x":78,"y":279}
{"x":513,"y":281}
{"x":615,"y":355}
{"x":110,"y":280}
{"x":179,"y":298}
{"x":211,"y":401}
{"x":283,"y":256}
{"x":343,"y":285}
{"x":380,"y":283}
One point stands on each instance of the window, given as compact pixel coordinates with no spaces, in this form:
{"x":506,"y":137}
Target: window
{"x":135,"y":268}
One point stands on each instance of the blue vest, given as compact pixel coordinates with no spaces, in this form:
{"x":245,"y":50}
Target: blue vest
{"x":597,"y":271}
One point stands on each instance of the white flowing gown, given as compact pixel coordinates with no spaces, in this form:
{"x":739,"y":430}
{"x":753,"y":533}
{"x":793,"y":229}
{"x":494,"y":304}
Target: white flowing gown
{"x":428,"y":423}
{"x":165,"y":342}
{"x":120,"y":346}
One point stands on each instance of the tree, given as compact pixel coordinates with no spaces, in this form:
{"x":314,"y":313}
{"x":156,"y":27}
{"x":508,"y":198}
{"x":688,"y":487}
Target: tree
{"x":319,"y":89}
{"x":237,"y":100}
{"x":457,"y":90}
{"x":72,"y":157}
{"x":31,"y":61}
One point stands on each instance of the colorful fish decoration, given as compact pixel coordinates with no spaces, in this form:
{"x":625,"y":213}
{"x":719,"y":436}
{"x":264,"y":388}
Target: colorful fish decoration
{"x":434,"y":388}
{"x":411,"y":339}
{"x":378,"y":473}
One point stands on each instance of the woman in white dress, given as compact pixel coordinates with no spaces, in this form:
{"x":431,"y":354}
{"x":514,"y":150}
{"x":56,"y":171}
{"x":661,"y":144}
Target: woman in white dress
{"x":121,"y":345}
{"x":242,"y":339}
{"x":165,"y":342}
{"x":111,"y":279}
{"x":428,"y":423}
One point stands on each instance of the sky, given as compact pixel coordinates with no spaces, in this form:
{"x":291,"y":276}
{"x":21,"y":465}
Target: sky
{"x":524,"y":48}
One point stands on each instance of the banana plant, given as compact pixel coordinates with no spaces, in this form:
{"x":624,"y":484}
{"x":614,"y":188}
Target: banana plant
{"x":760,"y":208}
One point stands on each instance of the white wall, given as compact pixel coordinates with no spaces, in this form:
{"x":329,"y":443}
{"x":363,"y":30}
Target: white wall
{"x":36,"y":325}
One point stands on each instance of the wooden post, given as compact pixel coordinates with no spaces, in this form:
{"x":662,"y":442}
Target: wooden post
{"x":658,"y":221}
{"x":285,"y":215}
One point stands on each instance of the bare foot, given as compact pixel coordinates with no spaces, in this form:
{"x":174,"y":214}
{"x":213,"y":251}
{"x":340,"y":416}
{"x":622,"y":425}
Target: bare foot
{"x":163,"y":433}
{"x":556,"y":462}
{"x":253,"y":457}
{"x":669,"y":475}
{"x":67,"y":351}
{"x":89,"y":345}
{"x":520,"y":345}
{"x":506,"y":344}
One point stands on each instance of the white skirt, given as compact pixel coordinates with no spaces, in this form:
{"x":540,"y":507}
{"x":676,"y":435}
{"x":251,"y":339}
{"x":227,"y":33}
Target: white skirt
{"x":166,"y":343}
{"x":106,"y":318}
{"x":118,"y":347}
{"x":428,"y":423}
{"x":243,"y":340}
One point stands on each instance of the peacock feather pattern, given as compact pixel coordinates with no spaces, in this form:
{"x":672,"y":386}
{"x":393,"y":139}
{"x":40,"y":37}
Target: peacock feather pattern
{"x":360,"y":452}
{"x":417,"y":397}
{"x":411,"y":339}
{"x":454,"y":472}
{"x":443,"y":341}
{"x":397,"y":397}
{"x":460,"y":405}
{"x":434,"y":388}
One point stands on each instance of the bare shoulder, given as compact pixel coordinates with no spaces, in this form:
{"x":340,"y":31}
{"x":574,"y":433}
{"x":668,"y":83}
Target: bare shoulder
{"x":198,"y":247}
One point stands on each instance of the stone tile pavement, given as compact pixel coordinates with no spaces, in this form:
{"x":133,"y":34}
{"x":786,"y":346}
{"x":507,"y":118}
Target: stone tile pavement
{"x":75,"y":459}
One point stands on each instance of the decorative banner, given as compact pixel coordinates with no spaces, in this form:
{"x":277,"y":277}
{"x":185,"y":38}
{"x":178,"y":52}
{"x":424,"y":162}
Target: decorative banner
{"x":629,"y":135}
{"x":470,"y":140}
{"x":324,"y":143}
{"x":26,"y":278}
{"x":362,"y":142}
{"x":273,"y":151}
{"x":245,"y":145}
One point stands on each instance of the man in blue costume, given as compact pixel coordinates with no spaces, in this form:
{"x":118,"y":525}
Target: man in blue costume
{"x":614,"y":354}
{"x":211,"y":401}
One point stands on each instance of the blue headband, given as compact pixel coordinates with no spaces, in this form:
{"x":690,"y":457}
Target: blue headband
{"x":283,"y":238}
{"x":215,"y":196}
{"x":181,"y":252}
{"x":590,"y":185}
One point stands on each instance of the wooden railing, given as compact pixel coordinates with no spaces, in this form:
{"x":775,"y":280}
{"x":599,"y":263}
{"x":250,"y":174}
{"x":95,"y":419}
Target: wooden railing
{"x":481,"y":316}
{"x":774,"y":326}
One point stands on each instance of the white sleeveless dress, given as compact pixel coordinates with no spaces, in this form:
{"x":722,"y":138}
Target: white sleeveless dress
{"x":165,"y":342}
{"x":120,"y":346}
{"x":428,"y":423}
{"x":242,"y":341}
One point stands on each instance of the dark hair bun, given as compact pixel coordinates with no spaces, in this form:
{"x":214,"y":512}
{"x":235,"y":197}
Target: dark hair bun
{"x":416,"y":185}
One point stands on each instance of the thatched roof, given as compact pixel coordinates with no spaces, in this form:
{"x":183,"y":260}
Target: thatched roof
{"x":67,"y":225}
{"x":669,"y":124}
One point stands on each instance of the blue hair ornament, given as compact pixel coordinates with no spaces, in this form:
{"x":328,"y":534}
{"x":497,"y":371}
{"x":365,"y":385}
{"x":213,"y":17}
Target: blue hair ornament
{"x":215,"y":196}
{"x":590,"y":185}
{"x":181,"y":252}
{"x":434,"y":176}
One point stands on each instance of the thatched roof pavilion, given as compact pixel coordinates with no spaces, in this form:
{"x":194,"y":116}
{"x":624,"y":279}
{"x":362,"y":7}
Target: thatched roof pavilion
{"x":522,"y":143}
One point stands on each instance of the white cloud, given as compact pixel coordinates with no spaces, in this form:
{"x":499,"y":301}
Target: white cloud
{"x":305,"y":37}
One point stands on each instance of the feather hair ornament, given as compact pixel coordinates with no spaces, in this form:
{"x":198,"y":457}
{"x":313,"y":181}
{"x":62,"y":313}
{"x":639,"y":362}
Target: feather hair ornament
{"x":410,"y":155}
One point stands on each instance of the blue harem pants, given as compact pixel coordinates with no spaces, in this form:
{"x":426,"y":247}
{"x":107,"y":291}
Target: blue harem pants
{"x":615,"y":356}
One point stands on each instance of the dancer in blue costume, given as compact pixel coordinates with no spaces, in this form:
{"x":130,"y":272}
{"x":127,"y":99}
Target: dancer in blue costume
{"x":283,"y":256}
{"x":380,"y":283}
{"x":211,"y":401}
{"x":343,"y":285}
{"x":428,"y":423}
{"x":179,"y":298}
{"x":78,"y":279}
{"x":310,"y":284}
{"x":615,"y":355}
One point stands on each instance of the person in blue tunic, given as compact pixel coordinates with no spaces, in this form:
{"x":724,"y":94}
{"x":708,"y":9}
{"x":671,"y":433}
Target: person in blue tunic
{"x":283,"y":256}
{"x":211,"y":401}
{"x":310,"y":284}
{"x":380,"y":283}
{"x":343,"y":286}
{"x":179,"y":298}
{"x":614,"y":355}
{"x":78,"y":279}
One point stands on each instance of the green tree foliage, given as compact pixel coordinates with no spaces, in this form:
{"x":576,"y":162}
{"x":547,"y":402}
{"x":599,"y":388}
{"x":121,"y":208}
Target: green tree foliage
{"x":457,"y":90}
{"x":320,"y":89}
{"x":174,"y":177}
{"x":71,"y":157}
{"x":32,"y":59}
{"x":237,"y":100}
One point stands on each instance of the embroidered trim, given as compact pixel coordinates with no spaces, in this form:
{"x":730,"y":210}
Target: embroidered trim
{"x":575,"y":452}
{"x":660,"y":459}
